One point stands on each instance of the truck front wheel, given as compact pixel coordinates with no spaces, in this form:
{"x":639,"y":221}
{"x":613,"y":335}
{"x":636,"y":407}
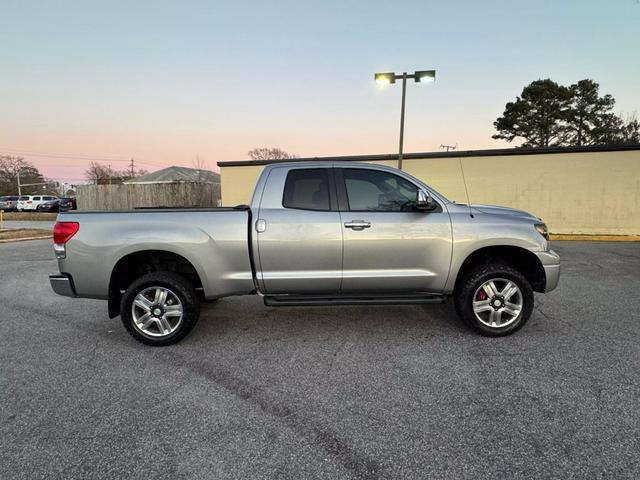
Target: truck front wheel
{"x":494,"y":299}
{"x":159,"y":308}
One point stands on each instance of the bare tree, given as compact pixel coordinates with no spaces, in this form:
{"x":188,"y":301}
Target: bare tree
{"x":10,"y":166}
{"x":273,"y":153}
{"x":99,"y":174}
{"x":202,"y":199}
{"x":631,"y":129}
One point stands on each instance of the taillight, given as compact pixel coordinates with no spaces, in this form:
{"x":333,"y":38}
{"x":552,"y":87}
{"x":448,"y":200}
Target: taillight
{"x":29,"y":201}
{"x":62,"y":232}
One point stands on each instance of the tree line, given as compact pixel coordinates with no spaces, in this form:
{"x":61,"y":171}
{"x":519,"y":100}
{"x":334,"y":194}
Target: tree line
{"x":549,"y":114}
{"x":99,"y":174}
{"x":11,"y":165}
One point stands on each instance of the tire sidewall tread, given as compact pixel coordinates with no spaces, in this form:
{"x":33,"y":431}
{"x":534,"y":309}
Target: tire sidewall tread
{"x":472,"y":281}
{"x":178,"y":285}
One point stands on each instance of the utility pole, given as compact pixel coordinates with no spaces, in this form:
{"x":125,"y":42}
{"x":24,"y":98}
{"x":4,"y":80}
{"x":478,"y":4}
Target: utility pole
{"x":404,"y":96}
{"x":132,"y":168}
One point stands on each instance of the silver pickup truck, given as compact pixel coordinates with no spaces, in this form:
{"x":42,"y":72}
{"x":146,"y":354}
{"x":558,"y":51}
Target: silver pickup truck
{"x":325,"y":233}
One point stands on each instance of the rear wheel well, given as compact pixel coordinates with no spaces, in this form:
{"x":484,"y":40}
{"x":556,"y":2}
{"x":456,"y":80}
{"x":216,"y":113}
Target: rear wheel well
{"x":518,"y":258}
{"x":133,"y":266}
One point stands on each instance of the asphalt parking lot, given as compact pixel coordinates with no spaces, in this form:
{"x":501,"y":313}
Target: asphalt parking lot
{"x":348,"y":392}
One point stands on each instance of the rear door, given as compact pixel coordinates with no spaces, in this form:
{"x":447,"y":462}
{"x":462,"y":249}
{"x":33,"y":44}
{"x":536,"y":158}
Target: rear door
{"x":389,"y":246}
{"x":299,"y":234}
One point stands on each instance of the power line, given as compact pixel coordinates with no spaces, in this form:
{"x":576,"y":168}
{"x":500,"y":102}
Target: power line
{"x":74,"y":156}
{"x":58,"y":154}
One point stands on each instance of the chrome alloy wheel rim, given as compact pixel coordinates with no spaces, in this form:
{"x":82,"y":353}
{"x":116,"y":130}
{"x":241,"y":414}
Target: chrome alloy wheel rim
{"x":497,"y":303}
{"x":156,"y":312}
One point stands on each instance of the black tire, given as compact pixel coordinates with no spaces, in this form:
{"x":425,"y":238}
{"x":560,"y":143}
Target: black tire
{"x":469,"y":286}
{"x":178,"y":286}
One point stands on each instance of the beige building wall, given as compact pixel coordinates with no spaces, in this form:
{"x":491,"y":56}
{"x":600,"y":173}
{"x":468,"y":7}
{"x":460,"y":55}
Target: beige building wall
{"x":579,"y":193}
{"x":238,"y":183}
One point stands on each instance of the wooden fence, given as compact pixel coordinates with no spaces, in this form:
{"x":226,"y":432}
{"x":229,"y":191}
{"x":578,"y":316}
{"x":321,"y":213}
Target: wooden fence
{"x":126,"y":197}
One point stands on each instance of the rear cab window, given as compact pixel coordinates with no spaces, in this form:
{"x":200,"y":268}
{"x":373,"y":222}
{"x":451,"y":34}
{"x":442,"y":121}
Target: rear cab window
{"x":307,"y":189}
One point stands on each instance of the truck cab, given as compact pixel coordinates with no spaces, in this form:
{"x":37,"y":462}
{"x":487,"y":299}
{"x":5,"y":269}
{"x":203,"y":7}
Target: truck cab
{"x":348,"y":229}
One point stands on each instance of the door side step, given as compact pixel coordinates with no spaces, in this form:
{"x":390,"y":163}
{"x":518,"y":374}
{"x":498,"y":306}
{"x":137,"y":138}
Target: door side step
{"x":308,"y":301}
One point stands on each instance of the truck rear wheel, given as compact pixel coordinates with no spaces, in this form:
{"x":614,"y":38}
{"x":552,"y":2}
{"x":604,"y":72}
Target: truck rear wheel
{"x":159,"y":308}
{"x":494,"y":299}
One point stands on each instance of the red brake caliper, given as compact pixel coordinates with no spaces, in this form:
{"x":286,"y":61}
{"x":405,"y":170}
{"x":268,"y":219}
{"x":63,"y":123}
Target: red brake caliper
{"x":482,"y":295}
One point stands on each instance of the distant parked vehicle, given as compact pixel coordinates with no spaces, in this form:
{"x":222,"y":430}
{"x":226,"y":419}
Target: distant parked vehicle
{"x":22,"y":202}
{"x":49,"y":206}
{"x":9,"y":204}
{"x":67,"y":204}
{"x":31,"y":202}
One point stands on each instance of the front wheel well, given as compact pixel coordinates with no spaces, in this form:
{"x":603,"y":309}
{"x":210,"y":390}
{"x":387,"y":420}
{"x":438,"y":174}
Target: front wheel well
{"x":134,"y":265}
{"x":518,"y":258}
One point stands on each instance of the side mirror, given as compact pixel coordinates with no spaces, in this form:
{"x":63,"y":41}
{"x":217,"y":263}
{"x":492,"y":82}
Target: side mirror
{"x":424,"y":201}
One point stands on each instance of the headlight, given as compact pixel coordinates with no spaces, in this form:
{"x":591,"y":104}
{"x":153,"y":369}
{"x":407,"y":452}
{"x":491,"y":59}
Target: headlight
{"x":542,"y":230}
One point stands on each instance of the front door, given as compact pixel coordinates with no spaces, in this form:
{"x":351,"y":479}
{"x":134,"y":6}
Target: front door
{"x":389,"y":246}
{"x":299,"y":233}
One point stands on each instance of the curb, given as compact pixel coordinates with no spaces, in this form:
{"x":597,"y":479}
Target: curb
{"x":10,"y":240}
{"x":595,"y":238}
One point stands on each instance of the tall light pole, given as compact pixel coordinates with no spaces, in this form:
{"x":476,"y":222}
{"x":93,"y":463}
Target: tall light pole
{"x":419,"y":76}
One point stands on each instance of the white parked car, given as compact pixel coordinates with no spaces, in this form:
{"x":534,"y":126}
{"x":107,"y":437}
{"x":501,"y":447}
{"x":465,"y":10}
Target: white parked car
{"x":31,"y":202}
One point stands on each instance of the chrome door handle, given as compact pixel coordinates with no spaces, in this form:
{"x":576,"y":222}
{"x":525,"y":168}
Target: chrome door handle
{"x":357,"y":224}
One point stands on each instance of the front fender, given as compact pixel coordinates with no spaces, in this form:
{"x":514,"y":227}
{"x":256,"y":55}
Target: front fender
{"x":473,"y":234}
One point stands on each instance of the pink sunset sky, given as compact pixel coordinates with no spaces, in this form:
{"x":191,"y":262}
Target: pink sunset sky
{"x":166,"y":82}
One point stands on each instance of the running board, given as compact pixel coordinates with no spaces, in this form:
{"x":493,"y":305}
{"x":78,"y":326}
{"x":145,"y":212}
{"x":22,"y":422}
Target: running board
{"x":308,"y":301}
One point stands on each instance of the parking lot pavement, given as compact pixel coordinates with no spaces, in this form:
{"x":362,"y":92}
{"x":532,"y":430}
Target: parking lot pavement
{"x":46,"y":225}
{"x":346,"y":392}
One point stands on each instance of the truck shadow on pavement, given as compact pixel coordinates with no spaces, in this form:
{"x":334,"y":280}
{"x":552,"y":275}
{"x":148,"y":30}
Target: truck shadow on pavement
{"x":238,"y":316}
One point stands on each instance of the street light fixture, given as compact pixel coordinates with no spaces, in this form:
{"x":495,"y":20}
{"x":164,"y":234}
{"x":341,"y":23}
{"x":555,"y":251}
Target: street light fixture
{"x":419,"y":76}
{"x":385,"y":78}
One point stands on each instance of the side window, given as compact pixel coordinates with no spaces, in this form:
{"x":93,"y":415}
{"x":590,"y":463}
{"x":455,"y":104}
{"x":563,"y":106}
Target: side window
{"x":47,"y":198}
{"x":307,"y":189}
{"x":36,"y":198}
{"x":24,"y":198}
{"x":378,"y":191}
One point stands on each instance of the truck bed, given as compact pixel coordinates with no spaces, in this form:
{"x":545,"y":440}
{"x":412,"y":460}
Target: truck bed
{"x":213,"y":240}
